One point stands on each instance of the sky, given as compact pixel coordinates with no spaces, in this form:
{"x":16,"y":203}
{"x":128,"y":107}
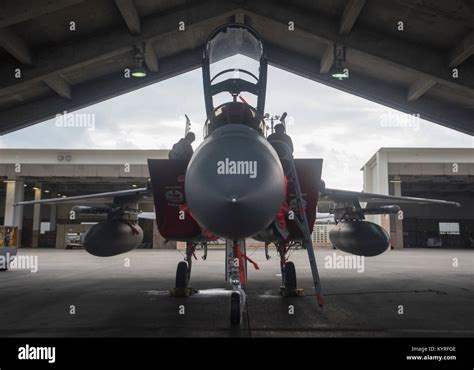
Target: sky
{"x":343,"y":129}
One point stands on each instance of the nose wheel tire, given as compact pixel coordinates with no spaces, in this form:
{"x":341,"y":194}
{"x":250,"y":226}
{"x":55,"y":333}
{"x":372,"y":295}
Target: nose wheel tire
{"x":182,"y":276}
{"x":235,"y":308}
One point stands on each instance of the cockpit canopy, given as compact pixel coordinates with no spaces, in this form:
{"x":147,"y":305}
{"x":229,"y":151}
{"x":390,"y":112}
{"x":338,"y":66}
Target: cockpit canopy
{"x":234,"y":68}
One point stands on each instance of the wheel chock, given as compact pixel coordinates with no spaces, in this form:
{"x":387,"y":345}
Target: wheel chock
{"x":180,"y":292}
{"x":298,"y":292}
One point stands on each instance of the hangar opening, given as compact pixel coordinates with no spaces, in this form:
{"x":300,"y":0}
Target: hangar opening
{"x":50,"y":66}
{"x":414,"y":57}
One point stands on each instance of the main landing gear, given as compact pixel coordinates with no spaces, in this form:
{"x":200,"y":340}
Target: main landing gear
{"x":289,"y":277}
{"x":182,"y":276}
{"x":183,"y":273}
{"x":289,"y":286}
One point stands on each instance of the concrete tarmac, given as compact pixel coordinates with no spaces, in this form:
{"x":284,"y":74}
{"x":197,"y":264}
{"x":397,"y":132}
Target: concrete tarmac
{"x":410,"y":292}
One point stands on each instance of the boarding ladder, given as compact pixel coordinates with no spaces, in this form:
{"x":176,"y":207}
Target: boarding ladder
{"x":301,"y":219}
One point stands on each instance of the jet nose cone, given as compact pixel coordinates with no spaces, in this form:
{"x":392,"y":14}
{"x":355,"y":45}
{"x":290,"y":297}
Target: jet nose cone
{"x":234,"y":183}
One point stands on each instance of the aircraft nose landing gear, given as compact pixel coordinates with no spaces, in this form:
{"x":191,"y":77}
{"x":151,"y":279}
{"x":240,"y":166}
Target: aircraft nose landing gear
{"x":236,"y":271}
{"x":237,"y":304}
{"x":235,"y":308}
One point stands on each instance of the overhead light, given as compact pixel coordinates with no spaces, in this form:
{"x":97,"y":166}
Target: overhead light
{"x":138,"y":70}
{"x":337,"y":70}
{"x":395,"y":181}
{"x":46,"y":191}
{"x":36,"y":188}
{"x":58,"y":194}
{"x":25,"y":185}
{"x":134,"y":186}
{"x":9,"y":181}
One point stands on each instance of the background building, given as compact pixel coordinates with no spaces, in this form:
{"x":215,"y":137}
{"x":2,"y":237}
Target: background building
{"x":44,"y":173}
{"x":441,"y":173}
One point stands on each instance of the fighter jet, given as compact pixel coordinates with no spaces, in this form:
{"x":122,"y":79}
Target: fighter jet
{"x":238,"y":184}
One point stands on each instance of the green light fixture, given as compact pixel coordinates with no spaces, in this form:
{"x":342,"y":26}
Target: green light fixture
{"x":138,"y":71}
{"x":337,"y":70}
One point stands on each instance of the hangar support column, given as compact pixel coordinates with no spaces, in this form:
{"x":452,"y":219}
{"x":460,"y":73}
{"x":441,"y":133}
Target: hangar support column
{"x":14,"y":215}
{"x":397,"y":234}
{"x":52,"y":217}
{"x":382,"y":186}
{"x":36,"y":220}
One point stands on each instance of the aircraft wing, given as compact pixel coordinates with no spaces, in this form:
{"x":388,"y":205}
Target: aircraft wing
{"x":110,"y":194}
{"x":338,"y":195}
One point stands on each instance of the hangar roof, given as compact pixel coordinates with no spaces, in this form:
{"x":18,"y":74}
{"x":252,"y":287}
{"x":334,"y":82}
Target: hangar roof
{"x":77,"y":166}
{"x":423,"y":155}
{"x":80,"y":156}
{"x":72,"y":53}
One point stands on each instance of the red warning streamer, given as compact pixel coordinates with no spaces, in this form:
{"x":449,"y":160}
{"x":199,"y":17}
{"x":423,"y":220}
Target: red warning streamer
{"x":241,"y":256}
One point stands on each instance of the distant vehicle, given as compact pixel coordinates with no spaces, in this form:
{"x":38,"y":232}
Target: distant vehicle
{"x":74,"y":240}
{"x":239,"y":185}
{"x":8,"y":246}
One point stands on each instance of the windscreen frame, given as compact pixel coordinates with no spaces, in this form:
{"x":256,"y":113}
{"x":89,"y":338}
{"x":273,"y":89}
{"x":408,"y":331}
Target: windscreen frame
{"x":260,"y":85}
